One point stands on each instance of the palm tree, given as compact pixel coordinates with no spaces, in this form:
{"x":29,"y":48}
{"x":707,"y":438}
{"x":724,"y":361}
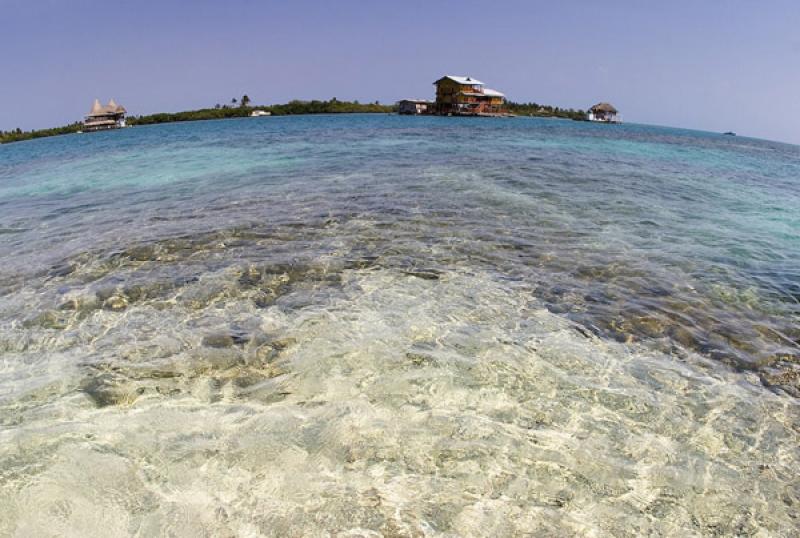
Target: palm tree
{"x":245,"y":100}
{"x":233,"y":101}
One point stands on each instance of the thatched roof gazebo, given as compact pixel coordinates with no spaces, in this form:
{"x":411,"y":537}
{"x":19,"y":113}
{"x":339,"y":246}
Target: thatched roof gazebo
{"x":604,"y":112}
{"x":604,"y":107}
{"x":111,"y":116}
{"x":112,"y":105}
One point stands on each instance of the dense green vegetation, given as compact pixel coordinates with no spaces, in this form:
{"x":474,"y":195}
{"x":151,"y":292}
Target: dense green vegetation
{"x":238,"y":108}
{"x":333,"y":106}
{"x":18,"y":134}
{"x":535,"y":109}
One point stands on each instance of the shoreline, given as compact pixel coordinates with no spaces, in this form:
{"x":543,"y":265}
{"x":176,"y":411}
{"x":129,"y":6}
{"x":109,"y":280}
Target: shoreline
{"x":292,"y":108}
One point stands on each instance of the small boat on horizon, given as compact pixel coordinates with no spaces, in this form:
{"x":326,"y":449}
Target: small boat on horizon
{"x":729,"y":133}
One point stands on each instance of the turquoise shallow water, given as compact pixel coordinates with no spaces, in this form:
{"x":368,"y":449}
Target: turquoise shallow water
{"x":405,"y":326}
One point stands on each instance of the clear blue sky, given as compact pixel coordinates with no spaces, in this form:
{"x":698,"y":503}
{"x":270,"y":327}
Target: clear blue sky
{"x":713,"y":64}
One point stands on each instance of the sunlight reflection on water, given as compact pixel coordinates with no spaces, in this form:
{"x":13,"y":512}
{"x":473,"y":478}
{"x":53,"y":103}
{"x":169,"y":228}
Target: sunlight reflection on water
{"x":432,"y":343}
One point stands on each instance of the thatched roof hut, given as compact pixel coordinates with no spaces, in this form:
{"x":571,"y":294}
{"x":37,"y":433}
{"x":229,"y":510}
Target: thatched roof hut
{"x":604,"y":107}
{"x":112,"y":108}
{"x":111,"y":116}
{"x":97,"y":108}
{"x":603,"y":112}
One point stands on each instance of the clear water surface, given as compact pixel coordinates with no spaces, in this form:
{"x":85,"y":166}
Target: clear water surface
{"x":382,"y":325}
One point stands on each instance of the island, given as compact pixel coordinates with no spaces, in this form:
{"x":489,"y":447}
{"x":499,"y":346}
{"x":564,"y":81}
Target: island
{"x":242,"y":108}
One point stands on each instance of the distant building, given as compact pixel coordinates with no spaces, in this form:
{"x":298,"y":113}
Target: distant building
{"x":260,"y":113}
{"x":467,"y":96}
{"x":111,"y":116}
{"x":604,"y":112}
{"x":414,"y":106}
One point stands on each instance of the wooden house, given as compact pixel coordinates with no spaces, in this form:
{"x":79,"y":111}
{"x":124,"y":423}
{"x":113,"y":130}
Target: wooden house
{"x":466,"y":96}
{"x":111,"y":116}
{"x":414,"y":106}
{"x":604,"y":112}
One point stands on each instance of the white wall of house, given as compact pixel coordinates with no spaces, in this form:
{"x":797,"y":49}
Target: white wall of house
{"x":607,"y":116}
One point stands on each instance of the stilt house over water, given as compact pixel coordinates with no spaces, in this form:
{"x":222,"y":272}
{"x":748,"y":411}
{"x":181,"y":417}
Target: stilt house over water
{"x":414,"y":106}
{"x":111,"y":116}
{"x":604,"y":112}
{"x":466,"y":96}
